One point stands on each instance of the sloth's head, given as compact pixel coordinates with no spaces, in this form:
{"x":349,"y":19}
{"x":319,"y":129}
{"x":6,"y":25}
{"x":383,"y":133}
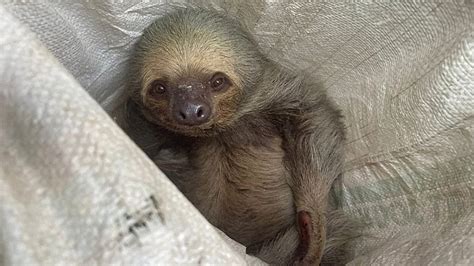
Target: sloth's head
{"x":193,"y":69}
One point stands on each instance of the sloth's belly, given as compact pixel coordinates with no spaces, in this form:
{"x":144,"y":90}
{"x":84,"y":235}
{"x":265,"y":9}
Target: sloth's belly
{"x":244,"y":191}
{"x":257,"y":212}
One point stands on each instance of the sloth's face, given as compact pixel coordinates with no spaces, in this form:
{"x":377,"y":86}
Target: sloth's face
{"x":193,"y":71}
{"x":193,"y":89}
{"x":195,"y":104}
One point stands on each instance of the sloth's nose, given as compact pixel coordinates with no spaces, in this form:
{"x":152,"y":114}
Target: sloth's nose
{"x":192,"y":113}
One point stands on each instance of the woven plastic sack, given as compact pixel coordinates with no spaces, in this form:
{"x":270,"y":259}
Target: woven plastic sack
{"x":75,"y":190}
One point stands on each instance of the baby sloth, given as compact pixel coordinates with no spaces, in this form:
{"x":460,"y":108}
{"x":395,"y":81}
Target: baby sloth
{"x":254,"y":146}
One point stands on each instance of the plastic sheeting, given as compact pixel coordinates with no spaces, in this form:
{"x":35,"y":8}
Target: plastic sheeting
{"x":74,"y":189}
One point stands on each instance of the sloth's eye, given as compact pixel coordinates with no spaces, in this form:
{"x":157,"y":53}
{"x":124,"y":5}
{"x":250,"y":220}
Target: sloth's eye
{"x":219,"y":81}
{"x":157,"y":88}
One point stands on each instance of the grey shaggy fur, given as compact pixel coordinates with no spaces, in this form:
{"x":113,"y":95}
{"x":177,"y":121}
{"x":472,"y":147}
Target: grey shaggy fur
{"x":278,"y":153}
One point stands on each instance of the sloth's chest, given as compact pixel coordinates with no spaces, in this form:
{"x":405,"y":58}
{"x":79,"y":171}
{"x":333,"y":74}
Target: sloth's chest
{"x":244,"y":191}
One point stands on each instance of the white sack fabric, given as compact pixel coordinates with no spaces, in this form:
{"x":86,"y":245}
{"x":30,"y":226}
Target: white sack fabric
{"x":75,"y":190}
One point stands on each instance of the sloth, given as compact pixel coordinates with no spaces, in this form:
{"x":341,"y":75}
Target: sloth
{"x":256,"y":147}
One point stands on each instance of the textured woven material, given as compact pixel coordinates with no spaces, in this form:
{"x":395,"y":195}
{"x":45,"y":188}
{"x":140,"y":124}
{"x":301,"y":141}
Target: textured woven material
{"x":74,"y":189}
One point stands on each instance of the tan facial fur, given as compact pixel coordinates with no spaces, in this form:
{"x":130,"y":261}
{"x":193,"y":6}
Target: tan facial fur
{"x":177,"y":59}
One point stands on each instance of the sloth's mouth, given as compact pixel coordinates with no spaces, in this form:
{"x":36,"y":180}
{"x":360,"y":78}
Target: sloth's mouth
{"x":205,"y":130}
